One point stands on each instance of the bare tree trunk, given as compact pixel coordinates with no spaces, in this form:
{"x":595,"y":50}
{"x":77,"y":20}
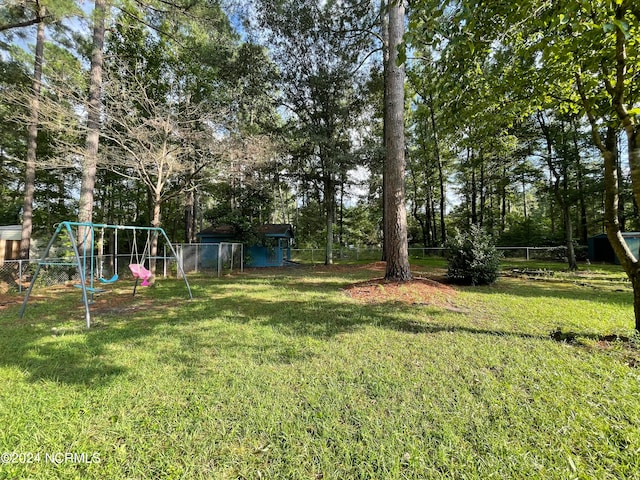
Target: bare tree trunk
{"x":481,"y":190}
{"x":32,"y":142}
{"x":633,"y":267}
{"x":474,"y":191}
{"x":560,"y":196}
{"x":415,"y":207}
{"x":582,"y":202}
{"x":627,"y":259}
{"x":155,"y":222}
{"x":503,"y":200}
{"x":621,"y":194}
{"x":384,"y":15}
{"x":398,"y":268}
{"x":429,"y":216}
{"x":189,"y":216}
{"x":329,"y":192}
{"x":89,"y":166}
{"x":441,"y":181}
{"x":341,"y":216}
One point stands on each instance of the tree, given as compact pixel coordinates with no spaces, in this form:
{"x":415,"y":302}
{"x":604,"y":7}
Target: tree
{"x":18,"y":14}
{"x":155,"y":140}
{"x":90,"y":160}
{"x":32,"y":141}
{"x":582,"y":54}
{"x":12,"y":147}
{"x":319,"y":49}
{"x":397,"y":250}
{"x":617,"y":71}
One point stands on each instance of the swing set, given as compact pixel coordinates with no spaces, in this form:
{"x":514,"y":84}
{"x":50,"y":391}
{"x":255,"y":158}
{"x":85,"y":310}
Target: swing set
{"x":83,"y":245}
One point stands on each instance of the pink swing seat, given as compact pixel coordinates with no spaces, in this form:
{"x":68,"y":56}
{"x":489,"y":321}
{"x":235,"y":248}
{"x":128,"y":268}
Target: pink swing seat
{"x":140,"y":272}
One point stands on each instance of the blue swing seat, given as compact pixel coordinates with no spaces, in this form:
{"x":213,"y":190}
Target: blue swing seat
{"x":109,"y":280}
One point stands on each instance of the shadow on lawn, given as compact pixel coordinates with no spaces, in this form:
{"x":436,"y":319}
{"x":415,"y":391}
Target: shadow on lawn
{"x":555,"y":289}
{"x":78,"y":356}
{"x":324,"y":318}
{"x":46,"y":348}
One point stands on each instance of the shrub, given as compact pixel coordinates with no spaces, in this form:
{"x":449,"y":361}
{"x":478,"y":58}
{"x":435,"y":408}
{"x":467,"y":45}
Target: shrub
{"x":472,"y":258}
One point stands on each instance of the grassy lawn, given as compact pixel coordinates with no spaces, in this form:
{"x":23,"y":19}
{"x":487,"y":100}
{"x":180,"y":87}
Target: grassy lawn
{"x":282,"y":375}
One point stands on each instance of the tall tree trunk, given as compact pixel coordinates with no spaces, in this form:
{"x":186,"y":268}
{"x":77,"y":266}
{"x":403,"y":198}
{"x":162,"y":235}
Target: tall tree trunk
{"x":341,"y":216}
{"x":330,"y":201}
{"x":32,"y":142}
{"x":89,"y":166}
{"x":429,"y":215}
{"x":189,"y":220}
{"x":568,"y":227}
{"x":627,"y":259}
{"x":481,"y":190}
{"x":560,"y":196}
{"x":584,"y":232}
{"x":474,"y":191}
{"x":415,"y":207}
{"x":524,"y":198}
{"x":582,"y":203}
{"x":398,"y":268}
{"x":503,"y":200}
{"x":621,"y":194}
{"x":155,"y":222}
{"x":441,"y":180}
{"x":633,"y":267}
{"x":385,"y":74}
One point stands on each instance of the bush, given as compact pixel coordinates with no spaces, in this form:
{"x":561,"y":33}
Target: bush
{"x":473,"y":258}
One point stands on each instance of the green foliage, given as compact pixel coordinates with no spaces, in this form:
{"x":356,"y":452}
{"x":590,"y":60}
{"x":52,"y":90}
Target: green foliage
{"x":472,"y":258}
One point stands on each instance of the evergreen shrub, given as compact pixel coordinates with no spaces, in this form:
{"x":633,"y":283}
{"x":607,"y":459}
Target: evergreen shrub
{"x":472,"y":258}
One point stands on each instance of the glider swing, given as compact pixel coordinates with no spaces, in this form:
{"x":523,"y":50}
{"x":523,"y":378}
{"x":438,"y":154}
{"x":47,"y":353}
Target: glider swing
{"x":137,"y":268}
{"x":82,"y":240}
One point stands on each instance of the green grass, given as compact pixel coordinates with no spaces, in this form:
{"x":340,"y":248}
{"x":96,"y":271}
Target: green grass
{"x":281,"y":375}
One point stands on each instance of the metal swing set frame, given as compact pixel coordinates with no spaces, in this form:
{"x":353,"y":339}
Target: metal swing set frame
{"x":85,"y":258}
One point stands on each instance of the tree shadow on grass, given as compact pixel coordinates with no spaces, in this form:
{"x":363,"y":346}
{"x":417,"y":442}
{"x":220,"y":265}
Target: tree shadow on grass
{"x":204,"y":327}
{"x":552,"y":289}
{"x":46,"y":346}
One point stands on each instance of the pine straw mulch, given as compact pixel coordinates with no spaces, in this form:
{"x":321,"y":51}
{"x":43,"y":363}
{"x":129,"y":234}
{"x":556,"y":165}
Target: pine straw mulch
{"x":420,"y":290}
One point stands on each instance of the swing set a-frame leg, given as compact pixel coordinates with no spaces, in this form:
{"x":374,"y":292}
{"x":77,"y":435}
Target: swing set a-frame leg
{"x":81,"y":272}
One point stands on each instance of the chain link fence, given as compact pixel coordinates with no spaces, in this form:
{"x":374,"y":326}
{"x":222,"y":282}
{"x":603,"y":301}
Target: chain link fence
{"x":16,"y":275}
{"x":211,"y":258}
{"x":373,"y":254}
{"x":207,"y":258}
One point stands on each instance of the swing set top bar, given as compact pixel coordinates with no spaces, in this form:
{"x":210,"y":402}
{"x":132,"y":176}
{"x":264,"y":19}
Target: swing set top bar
{"x":105,"y":225}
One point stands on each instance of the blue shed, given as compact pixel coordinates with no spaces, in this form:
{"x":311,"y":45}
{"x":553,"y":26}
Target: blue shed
{"x":272,"y":249}
{"x":600,"y":249}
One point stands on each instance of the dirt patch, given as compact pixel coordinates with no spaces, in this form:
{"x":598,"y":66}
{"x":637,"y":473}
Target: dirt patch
{"x":7,"y":299}
{"x":418,"y":291}
{"x":119,"y":304}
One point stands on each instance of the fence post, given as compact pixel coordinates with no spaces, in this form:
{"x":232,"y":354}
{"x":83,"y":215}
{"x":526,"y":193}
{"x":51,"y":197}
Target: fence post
{"x":20,"y":275}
